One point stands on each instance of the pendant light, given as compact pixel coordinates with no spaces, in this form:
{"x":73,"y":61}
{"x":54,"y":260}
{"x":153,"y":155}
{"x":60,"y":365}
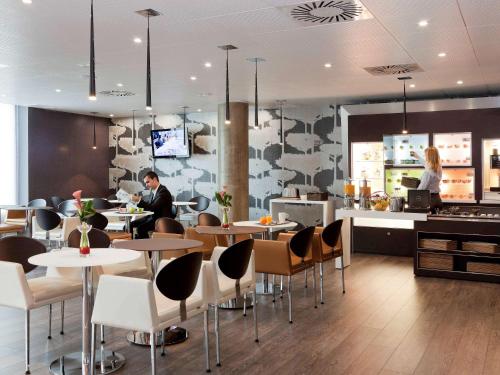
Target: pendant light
{"x":133,"y":129}
{"x":148,"y":13}
{"x":92,"y":92}
{"x":282,"y":136}
{"x":94,"y":140}
{"x":405,"y":127}
{"x":256,"y":60}
{"x":228,"y":113}
{"x":184,"y":124}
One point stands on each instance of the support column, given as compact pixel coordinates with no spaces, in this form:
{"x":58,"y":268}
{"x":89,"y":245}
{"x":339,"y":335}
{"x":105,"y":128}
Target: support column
{"x":232,"y":154}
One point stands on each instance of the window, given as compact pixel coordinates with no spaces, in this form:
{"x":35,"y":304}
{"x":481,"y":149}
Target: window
{"x":8,"y":165}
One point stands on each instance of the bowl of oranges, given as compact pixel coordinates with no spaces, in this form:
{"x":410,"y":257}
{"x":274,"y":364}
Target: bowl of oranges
{"x":266,"y":220}
{"x":379,"y":201}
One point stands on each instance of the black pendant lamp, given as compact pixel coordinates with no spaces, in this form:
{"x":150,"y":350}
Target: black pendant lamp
{"x":92,"y":93}
{"x":148,"y":13}
{"x":282,"y":136}
{"x":94,"y":140}
{"x":405,"y":126}
{"x":184,"y":124}
{"x":256,"y":60}
{"x":227,"y":48}
{"x":133,"y":129}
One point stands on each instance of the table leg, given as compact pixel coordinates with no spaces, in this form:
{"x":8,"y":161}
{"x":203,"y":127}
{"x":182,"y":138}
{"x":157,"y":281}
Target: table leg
{"x":128,"y":220}
{"x":29,"y":221}
{"x":265,"y":288}
{"x":231,"y":239}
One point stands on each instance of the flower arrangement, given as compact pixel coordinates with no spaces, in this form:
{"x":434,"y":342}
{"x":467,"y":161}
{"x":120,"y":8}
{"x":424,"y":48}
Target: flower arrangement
{"x":85,"y":209}
{"x":224,"y":200}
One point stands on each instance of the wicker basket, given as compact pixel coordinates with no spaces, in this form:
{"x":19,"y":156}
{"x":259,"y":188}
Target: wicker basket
{"x":481,"y":247}
{"x":435,"y":261}
{"x":478,"y":267}
{"x":437,"y":244}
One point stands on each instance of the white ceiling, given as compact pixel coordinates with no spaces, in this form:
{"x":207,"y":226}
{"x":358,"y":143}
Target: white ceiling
{"x":44,"y":43}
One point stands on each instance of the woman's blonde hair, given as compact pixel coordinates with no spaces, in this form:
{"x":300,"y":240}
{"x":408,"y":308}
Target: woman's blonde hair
{"x":432,"y":158}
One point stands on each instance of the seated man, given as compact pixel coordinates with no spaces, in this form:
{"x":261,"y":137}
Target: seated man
{"x":159,"y":201}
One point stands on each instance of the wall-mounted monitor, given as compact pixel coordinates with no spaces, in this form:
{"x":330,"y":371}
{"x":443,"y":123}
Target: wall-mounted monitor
{"x":169,"y":143}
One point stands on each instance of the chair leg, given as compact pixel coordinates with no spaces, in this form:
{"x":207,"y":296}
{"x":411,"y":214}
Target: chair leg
{"x":217,"y":338}
{"x":290,"y":299}
{"x":62,"y":318}
{"x":152,"y":341}
{"x":50,"y":322}
{"x":274,"y":292}
{"x":343,"y":280}
{"x":102,"y":335}
{"x":255,"y":327}
{"x":207,"y":353}
{"x":321,"y":283}
{"x":92,"y":348}
{"x":281,"y":286}
{"x":244,"y":304}
{"x":27,"y":341}
{"x":314,"y":286}
{"x":163,"y":339}
{"x":305,"y":277}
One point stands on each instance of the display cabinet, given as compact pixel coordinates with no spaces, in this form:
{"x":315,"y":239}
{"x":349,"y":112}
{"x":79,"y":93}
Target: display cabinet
{"x":398,"y":148}
{"x":455,"y":149}
{"x":491,"y":170}
{"x":393,"y":178}
{"x":367,"y":163}
{"x":457,"y":185}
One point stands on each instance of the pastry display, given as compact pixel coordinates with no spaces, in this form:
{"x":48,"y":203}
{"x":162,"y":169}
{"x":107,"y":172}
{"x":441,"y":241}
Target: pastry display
{"x":457,"y":184}
{"x":398,"y":148}
{"x":367,"y":163}
{"x":454,"y":148}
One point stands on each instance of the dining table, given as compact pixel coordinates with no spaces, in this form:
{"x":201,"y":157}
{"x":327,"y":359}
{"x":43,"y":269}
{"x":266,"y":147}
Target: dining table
{"x":29,"y":214}
{"x":127,"y":215}
{"x":174,"y":334}
{"x":80,"y":362}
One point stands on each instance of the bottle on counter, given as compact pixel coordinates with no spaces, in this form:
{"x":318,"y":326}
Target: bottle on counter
{"x":364,"y":195}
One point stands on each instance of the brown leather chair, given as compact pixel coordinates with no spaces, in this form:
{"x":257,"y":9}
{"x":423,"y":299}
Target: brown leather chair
{"x":288,"y":256}
{"x":208,"y":220}
{"x":15,"y":222}
{"x":171,"y":253}
{"x":209,"y":242}
{"x":167,"y":225}
{"x":97,"y":238}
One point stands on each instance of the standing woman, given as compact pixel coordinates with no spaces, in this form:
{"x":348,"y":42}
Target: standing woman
{"x":432,"y":176}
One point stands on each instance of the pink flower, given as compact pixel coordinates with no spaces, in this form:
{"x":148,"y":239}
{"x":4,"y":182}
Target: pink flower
{"x":78,"y":196}
{"x":222,"y":194}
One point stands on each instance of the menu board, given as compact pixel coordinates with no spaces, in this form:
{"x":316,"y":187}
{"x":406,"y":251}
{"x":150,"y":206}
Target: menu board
{"x":367,"y":163}
{"x":457,"y":184}
{"x":455,"y":149}
{"x":398,"y":148}
{"x":394,"y":176}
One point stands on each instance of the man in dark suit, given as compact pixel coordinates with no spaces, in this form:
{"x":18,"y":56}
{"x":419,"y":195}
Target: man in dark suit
{"x":159,"y":201}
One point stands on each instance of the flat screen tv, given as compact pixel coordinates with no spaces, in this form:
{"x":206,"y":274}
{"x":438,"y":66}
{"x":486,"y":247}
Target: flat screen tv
{"x":169,"y":143}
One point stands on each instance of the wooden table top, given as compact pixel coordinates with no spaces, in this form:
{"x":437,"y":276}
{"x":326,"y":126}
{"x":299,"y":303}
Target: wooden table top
{"x":158,"y":244}
{"x":231,"y":230}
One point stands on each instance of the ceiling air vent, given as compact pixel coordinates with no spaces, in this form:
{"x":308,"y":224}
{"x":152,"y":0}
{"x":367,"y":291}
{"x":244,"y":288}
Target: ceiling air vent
{"x":118,"y":93}
{"x":385,"y":70}
{"x":327,"y":12}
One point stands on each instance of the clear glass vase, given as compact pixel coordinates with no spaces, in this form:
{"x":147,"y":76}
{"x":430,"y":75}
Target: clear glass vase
{"x":225,"y":217}
{"x":84,"y":239}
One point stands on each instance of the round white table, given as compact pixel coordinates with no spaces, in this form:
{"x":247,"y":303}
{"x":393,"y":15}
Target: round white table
{"x":80,"y":363}
{"x":180,"y":204}
{"x":266,"y":287}
{"x":29,"y":214}
{"x":127,"y":215}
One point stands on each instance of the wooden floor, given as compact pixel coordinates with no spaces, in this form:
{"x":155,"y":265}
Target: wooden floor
{"x":388,"y":322}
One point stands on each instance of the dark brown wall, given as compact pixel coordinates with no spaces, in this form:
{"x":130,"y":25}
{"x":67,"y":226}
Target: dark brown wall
{"x":61,"y":158}
{"x":483,"y":123}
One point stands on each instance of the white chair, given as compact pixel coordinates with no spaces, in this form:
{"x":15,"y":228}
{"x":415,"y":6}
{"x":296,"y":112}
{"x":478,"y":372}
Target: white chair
{"x":140,"y":268}
{"x":139,"y":305}
{"x":231,"y":275}
{"x":19,"y":292}
{"x":60,"y":234}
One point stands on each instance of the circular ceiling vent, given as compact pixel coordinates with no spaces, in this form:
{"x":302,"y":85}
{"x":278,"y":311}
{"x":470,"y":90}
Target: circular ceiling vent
{"x":393,"y":69}
{"x":325,"y":12}
{"x":118,"y":93}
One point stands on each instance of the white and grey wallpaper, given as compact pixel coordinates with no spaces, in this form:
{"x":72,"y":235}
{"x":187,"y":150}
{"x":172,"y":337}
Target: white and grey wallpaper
{"x":309,"y":160}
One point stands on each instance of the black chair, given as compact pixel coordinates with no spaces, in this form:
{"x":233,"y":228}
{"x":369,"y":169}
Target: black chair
{"x":297,"y":227}
{"x":202,"y":203}
{"x":209,"y":220}
{"x":19,"y":249}
{"x":300,"y":244}
{"x":167,"y":225}
{"x":112,"y":197}
{"x":98,"y":221}
{"x":37,"y":203}
{"x":97,"y":238}
{"x":332,"y":235}
{"x":173,"y":211}
{"x":102,"y":204}
{"x":177,"y":281}
{"x":67,"y":208}
{"x":47,"y":220}
{"x":55,"y":201}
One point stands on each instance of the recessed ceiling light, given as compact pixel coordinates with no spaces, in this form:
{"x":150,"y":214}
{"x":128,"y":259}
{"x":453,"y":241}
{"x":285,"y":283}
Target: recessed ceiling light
{"x":460,"y":82}
{"x":149,"y":108}
{"x":423,"y":23}
{"x":198,"y":110}
{"x":193,"y":78}
{"x":119,"y":84}
{"x":137,"y":40}
{"x":27,"y":1}
{"x":58,"y":90}
{"x":442,"y":54}
{"x":412,"y":85}
{"x":4,"y":66}
{"x":111,"y":115}
{"x":328,"y":65}
{"x":208,"y":64}
{"x":4,"y":95}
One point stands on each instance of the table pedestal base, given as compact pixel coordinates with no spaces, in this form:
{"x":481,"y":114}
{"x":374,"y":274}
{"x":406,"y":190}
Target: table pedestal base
{"x":71,"y":364}
{"x":236,"y":304}
{"x":173,"y":335}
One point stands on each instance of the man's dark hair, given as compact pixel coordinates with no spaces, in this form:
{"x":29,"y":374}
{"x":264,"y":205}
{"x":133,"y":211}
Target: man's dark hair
{"x":152,"y":175}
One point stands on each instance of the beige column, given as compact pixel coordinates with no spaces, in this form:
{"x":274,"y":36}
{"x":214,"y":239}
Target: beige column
{"x":232,"y":154}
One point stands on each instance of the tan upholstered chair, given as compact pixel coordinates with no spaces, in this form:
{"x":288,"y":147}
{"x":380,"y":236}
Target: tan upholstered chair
{"x":288,"y":256}
{"x":15,"y":222}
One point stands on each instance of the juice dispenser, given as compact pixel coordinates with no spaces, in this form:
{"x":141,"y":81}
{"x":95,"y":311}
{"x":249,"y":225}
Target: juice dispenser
{"x":348,"y":194}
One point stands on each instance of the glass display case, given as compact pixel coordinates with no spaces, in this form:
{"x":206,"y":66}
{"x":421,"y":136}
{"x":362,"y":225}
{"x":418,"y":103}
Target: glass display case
{"x":367,"y":163}
{"x":491,"y":170}
{"x":393,"y":178}
{"x":455,"y":149}
{"x":398,"y":147}
{"x":457,"y":185}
